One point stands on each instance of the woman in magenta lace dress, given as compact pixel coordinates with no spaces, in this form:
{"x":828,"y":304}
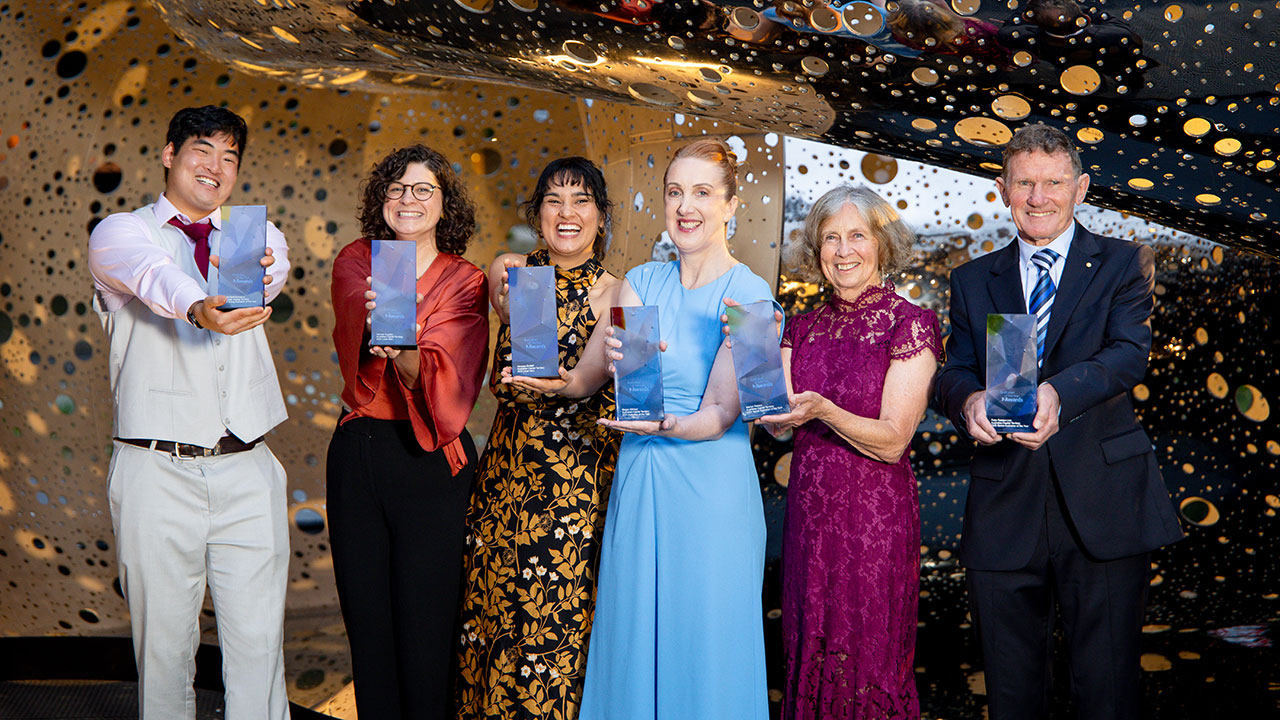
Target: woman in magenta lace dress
{"x":860,"y":368}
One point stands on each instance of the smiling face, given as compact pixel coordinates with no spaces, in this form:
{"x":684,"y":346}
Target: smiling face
{"x":1042,"y":191}
{"x":570,"y":221}
{"x":696,"y":204}
{"x":850,"y":252}
{"x":201,"y":174}
{"x":407,"y":216}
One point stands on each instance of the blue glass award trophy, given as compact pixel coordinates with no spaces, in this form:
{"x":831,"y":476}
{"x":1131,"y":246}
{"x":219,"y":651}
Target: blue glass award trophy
{"x":241,"y":243}
{"x":535,"y":343}
{"x":757,"y":360}
{"x":1011,"y":372}
{"x":395,"y":281}
{"x":637,"y":378}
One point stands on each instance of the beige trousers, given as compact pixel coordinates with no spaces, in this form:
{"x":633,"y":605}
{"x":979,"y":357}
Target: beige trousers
{"x":181,"y":523}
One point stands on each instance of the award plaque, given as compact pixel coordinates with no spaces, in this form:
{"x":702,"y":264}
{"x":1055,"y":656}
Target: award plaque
{"x":395,"y":281}
{"x":757,"y":360}
{"x":535,"y":344}
{"x":1011,"y":372}
{"x":241,"y":243}
{"x":637,"y":377}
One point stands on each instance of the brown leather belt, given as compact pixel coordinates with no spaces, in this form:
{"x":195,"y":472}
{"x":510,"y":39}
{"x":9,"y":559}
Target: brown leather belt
{"x":226,"y":445}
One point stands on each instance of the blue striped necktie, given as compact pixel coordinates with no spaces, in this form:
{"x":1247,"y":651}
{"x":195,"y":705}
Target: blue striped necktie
{"x":1041,"y":302}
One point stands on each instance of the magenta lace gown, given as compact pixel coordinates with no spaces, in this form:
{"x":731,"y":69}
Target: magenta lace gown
{"x":851,"y":539}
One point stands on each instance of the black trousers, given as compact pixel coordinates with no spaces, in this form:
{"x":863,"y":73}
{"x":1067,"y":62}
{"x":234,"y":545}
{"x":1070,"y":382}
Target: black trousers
{"x":1102,"y":605}
{"x":397,"y":527}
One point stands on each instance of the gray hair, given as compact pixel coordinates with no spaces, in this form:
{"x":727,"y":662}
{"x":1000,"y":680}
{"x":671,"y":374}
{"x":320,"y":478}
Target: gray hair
{"x":894,"y":240}
{"x":1044,"y":138}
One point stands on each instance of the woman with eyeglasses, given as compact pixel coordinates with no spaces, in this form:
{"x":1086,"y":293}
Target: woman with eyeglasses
{"x":401,"y":462}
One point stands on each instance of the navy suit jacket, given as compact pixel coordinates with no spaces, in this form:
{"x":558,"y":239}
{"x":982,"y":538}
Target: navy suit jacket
{"x":1096,"y":350}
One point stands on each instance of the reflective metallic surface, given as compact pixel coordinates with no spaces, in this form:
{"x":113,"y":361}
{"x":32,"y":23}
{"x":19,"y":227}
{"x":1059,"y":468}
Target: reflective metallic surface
{"x":1175,"y":105}
{"x":90,"y":86}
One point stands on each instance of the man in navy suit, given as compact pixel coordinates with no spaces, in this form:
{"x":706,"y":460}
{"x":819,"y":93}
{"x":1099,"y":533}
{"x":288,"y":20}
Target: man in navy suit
{"x":1062,"y":518}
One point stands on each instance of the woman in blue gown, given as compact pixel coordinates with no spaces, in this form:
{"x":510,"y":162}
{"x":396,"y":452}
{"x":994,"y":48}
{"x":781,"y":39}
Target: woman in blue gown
{"x":678,"y":630}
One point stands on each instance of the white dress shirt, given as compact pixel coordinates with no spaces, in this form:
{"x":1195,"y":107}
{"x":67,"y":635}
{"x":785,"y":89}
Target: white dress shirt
{"x":125,"y":264}
{"x":1031,"y":272}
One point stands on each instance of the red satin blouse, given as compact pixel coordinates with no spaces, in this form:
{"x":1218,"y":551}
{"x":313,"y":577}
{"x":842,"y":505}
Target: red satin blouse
{"x":453,"y":347}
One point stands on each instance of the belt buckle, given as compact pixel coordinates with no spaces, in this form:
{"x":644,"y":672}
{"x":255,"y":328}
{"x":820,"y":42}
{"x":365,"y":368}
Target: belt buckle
{"x":177,"y":451}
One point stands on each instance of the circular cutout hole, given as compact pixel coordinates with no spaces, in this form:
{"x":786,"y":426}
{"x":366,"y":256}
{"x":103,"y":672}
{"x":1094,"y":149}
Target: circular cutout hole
{"x":1197,"y":127}
{"x":107,"y":177}
{"x":475,"y":6}
{"x":486,"y":161}
{"x":879,"y":169}
{"x":72,"y":64}
{"x":1252,"y":404}
{"x":927,"y":77}
{"x":816,"y":67}
{"x":1199,"y":512}
{"x":744,"y":18}
{"x":704,"y":98}
{"x":782,"y":470}
{"x":824,"y":19}
{"x":1089,"y":135}
{"x":309,"y":521}
{"x":862,"y":18}
{"x":580,"y":52}
{"x":1227,"y":146}
{"x":1011,"y":107}
{"x":652,"y":94}
{"x":983,"y":132}
{"x":1217,"y":385}
{"x":1080,"y":80}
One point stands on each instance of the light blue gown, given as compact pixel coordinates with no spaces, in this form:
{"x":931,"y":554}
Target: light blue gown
{"x":678,"y":630}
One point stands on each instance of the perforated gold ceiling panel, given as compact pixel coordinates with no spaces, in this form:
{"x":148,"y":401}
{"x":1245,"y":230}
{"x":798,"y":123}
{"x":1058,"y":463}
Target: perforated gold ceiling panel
{"x":1175,"y":105}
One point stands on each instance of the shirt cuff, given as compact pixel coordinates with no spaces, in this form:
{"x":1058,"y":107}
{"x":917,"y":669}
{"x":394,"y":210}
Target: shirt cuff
{"x":184,"y":300}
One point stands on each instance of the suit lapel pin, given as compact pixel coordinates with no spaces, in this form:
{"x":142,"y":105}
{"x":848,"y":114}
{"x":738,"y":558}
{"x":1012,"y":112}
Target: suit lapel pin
{"x":1088,"y":264}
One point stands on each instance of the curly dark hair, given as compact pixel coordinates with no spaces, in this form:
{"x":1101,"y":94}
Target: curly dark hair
{"x":457,"y":217}
{"x":574,"y":170}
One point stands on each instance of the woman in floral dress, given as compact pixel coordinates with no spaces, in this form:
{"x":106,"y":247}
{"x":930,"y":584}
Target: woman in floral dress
{"x":538,"y":506}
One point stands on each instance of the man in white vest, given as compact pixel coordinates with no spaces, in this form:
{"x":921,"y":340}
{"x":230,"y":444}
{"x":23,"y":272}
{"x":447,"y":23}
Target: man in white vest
{"x":196,"y":496}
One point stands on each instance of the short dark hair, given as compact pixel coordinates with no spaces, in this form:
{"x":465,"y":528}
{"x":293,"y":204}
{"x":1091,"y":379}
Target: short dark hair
{"x":574,"y":170}
{"x":457,"y":215}
{"x":1046,"y":139}
{"x":207,"y":121}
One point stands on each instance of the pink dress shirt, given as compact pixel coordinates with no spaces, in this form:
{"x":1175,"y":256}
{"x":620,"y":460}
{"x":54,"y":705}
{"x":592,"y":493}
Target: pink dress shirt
{"x":125,"y":264}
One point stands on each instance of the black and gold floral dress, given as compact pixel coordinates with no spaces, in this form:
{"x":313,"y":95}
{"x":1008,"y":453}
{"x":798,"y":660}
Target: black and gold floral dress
{"x":534,"y":526}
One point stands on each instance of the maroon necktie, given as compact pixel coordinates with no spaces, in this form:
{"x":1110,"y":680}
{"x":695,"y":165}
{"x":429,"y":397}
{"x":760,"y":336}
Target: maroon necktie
{"x":199,"y":234}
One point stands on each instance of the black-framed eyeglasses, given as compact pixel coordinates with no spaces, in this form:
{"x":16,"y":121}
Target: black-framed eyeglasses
{"x":422,"y":191}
